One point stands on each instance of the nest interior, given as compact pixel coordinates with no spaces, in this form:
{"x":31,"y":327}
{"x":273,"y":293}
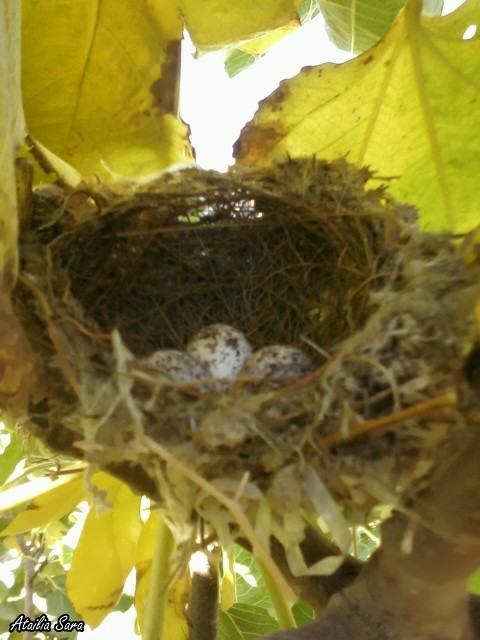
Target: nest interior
{"x":215,"y":249}
{"x":300,"y":254}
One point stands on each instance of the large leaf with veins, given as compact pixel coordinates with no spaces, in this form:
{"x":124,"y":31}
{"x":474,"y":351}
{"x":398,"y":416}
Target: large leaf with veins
{"x":100,"y":83}
{"x":356,"y":25}
{"x":408,"y":107}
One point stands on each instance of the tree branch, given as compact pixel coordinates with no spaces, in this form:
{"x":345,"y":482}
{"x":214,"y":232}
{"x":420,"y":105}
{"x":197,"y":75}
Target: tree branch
{"x":31,"y":551}
{"x":314,"y":590}
{"x":202,"y":610}
{"x":414,"y":586}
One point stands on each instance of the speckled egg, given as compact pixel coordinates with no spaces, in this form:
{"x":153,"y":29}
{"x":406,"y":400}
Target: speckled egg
{"x":177,"y":365}
{"x":277,"y":361}
{"x":222,"y":347}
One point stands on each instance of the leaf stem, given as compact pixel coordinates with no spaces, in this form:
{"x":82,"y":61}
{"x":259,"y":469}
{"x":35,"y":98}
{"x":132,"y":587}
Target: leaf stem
{"x":159,"y":578}
{"x":280,"y":604}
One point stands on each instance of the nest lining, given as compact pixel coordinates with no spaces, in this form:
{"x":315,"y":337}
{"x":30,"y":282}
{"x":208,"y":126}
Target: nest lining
{"x":299,"y":252}
{"x":221,"y":250}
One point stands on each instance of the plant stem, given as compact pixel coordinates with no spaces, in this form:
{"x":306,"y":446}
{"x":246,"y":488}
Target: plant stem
{"x":202,"y":612}
{"x":29,"y":563}
{"x":280,"y":604}
{"x":159,"y":579}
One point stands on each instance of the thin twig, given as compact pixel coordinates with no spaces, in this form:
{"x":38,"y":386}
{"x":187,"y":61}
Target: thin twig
{"x":31,"y":553}
{"x":159,"y":581}
{"x":280,"y":604}
{"x":446,"y":400}
{"x":234,"y":507}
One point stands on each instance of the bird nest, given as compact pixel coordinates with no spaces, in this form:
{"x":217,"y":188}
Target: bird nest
{"x":303,"y":255}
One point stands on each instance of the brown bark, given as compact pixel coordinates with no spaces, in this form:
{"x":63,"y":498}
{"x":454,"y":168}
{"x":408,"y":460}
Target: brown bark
{"x":414,"y":587}
{"x":400,"y":594}
{"x":202,"y":610}
{"x":316,"y":590}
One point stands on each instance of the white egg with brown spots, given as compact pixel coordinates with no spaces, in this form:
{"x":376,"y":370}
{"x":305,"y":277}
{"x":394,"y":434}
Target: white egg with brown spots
{"x":177,"y":365}
{"x":222,"y":348}
{"x":277,"y":361}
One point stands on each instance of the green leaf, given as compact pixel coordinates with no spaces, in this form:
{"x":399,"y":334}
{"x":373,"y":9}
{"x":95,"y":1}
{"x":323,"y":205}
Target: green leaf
{"x":66,"y":553}
{"x":368,"y":540}
{"x":237,"y":61}
{"x":8,"y":612}
{"x":433,"y":7}
{"x":474,"y":583}
{"x":58,"y":603}
{"x":125,"y":603}
{"x":356,"y":25}
{"x":303,"y":613}
{"x":408,"y":108}
{"x":250,"y":584}
{"x":10,"y":457}
{"x":11,"y":603}
{"x":245,"y":622}
{"x":307,"y":10}
{"x":252,"y":50}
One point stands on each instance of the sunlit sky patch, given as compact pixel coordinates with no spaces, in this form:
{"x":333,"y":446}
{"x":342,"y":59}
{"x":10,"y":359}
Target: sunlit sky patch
{"x":217,"y":107}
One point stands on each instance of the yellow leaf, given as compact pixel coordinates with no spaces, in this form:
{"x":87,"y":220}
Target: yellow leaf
{"x":228,"y":586}
{"x":13,"y":494}
{"x":105,"y":552}
{"x":408,"y":108}
{"x":103,"y":93}
{"x":214,"y":24}
{"x":174,"y":620}
{"x":51,"y":502}
{"x":103,"y":488}
{"x":259,"y":45}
